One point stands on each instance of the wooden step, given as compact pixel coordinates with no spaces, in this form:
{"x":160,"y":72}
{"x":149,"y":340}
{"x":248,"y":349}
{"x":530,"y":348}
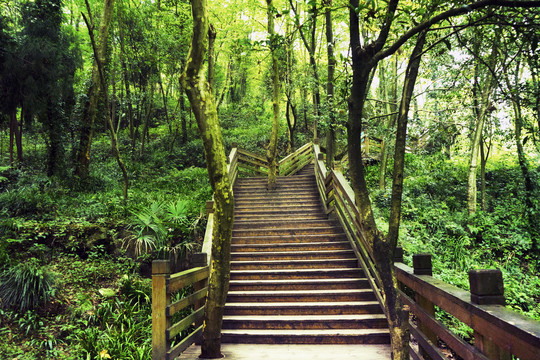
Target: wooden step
{"x":293,"y":255}
{"x":307,"y":246}
{"x":287,"y":231}
{"x":299,"y":284}
{"x":294,"y":264}
{"x":301,"y":296}
{"x":286,"y":224}
{"x":319,"y":215}
{"x":332,"y":336}
{"x":280,"y":212}
{"x":307,"y":308}
{"x":289,"y":274}
{"x":290,"y":239}
{"x":305,"y":322}
{"x":276,"y":192}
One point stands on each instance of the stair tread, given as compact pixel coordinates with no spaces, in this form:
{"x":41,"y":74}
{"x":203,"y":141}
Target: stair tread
{"x":294,"y":281}
{"x":287,"y":318}
{"x":300,"y":292}
{"x":320,"y":332}
{"x":295,"y":271}
{"x":334,"y":304}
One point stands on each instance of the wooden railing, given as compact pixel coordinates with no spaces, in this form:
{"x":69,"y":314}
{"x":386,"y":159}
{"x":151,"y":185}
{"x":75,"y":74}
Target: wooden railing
{"x":499,"y":332}
{"x":164,"y":285}
{"x":296,"y":161}
{"x":338,"y":199}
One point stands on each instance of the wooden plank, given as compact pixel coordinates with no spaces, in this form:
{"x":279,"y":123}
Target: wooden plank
{"x":185,"y":302}
{"x":245,"y":153}
{"x":296,"y":153}
{"x":414,"y":355}
{"x":256,"y":162}
{"x":461,"y":347}
{"x":184,"y":344}
{"x":185,"y":278}
{"x":185,"y":323}
{"x":511,"y":331}
{"x":425,"y":344}
{"x":160,"y":300}
{"x":207,"y":242}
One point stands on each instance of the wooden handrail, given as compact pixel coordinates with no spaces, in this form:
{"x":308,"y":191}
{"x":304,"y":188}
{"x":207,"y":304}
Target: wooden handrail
{"x":498,"y":331}
{"x":338,"y":198}
{"x":164,"y":284}
{"x":296,"y":161}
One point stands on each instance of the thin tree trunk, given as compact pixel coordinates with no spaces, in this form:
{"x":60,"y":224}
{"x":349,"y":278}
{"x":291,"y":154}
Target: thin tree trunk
{"x":330,"y":135}
{"x":211,"y":57}
{"x":475,"y":144}
{"x":89,"y":113}
{"x":311,"y":47}
{"x":271,"y":153}
{"x":391,"y":108}
{"x":204,"y":107}
{"x":112,"y":132}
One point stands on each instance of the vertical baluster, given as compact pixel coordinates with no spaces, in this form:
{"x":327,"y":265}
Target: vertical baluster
{"x":422,"y":266}
{"x":161,"y":270}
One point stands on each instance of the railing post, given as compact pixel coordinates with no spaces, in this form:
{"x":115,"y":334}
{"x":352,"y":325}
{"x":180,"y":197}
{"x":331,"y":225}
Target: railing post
{"x":487,"y":288}
{"x":161,"y":270}
{"x":422,"y":266}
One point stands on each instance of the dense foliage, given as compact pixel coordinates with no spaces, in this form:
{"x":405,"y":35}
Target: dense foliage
{"x":75,"y":253}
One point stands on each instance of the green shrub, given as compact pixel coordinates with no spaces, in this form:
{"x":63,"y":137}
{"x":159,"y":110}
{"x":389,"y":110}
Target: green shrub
{"x":26,"y":286}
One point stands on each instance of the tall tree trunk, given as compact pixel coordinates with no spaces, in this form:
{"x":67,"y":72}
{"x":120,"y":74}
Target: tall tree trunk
{"x":271,"y":153}
{"x":483,"y":161}
{"x":489,"y":86}
{"x":204,"y":108}
{"x":89,"y":113}
{"x":127,"y":87}
{"x":330,"y":134}
{"x":311,"y":47}
{"x":211,"y":56}
{"x":391,"y":109}
{"x":114,"y":138}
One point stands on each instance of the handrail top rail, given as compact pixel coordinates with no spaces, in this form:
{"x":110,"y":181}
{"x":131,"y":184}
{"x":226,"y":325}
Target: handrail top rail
{"x":299,"y":150}
{"x":513,"y":324}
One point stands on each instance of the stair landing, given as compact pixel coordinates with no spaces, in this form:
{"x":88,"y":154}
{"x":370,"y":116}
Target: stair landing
{"x":295,"y":352}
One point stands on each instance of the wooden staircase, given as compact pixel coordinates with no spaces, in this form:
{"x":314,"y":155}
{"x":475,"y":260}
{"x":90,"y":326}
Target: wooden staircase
{"x":294,"y":276}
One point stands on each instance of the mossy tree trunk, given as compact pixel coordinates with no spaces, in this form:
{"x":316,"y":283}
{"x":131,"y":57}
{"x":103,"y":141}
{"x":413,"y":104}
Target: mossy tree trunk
{"x":89,"y":113}
{"x":204,"y":108}
{"x":271,"y":153}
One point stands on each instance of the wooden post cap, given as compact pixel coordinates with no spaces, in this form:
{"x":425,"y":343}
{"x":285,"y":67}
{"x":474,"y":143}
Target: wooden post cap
{"x":487,"y":287}
{"x":398,"y":255}
{"x":198,"y":259}
{"x":209,"y":207}
{"x":161,"y":267}
{"x":320,"y":156}
{"x":422,"y":264}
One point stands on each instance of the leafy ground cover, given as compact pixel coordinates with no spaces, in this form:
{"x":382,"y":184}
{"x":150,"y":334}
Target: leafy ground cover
{"x":435,"y":221}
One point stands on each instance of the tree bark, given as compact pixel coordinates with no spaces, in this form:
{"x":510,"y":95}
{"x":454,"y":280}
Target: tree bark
{"x":271,"y":153}
{"x":330,"y":134}
{"x":89,"y":112}
{"x":204,"y":107}
{"x":489,"y":86}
